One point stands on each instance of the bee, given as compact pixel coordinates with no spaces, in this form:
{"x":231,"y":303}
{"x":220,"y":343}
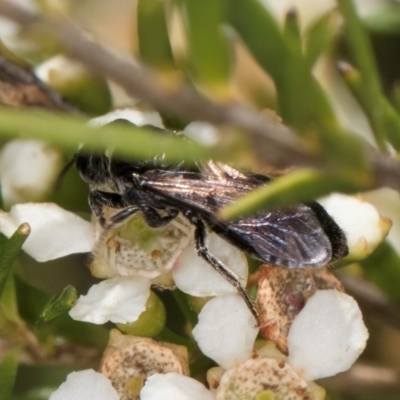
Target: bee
{"x":301,"y":236}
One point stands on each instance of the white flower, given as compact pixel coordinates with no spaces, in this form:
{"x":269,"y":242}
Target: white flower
{"x":128,"y":361}
{"x":360,"y":221}
{"x":118,"y":300}
{"x":199,"y":280}
{"x":327,"y":336}
{"x":173,"y":386}
{"x":28,"y":169}
{"x":136,"y":249}
{"x":132,"y":115}
{"x":59,"y":68}
{"x":196,"y":277}
{"x":55,"y":232}
{"x":226,"y":330}
{"x":85,"y":385}
{"x":202,"y":132}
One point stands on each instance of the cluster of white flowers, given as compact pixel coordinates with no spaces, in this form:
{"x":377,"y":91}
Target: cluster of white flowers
{"x":326,"y":337}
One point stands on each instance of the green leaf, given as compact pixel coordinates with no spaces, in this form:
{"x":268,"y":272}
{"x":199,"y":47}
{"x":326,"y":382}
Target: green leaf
{"x":261,"y":34}
{"x":319,"y":36}
{"x":10,"y":319}
{"x":299,"y":186}
{"x":32,"y":301}
{"x":8,"y":372}
{"x":388,"y":119}
{"x":291,"y":74}
{"x":9,"y":251}
{"x":68,"y":132}
{"x":291,"y":31}
{"x":154,"y":44}
{"x":361,"y":50}
{"x":207,"y":44}
{"x":59,"y":305}
{"x":302,"y":101}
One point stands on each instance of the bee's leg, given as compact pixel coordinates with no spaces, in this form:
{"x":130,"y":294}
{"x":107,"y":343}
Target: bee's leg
{"x":115,"y":220}
{"x":155,"y":220}
{"x":202,"y":250}
{"x":98,"y":200}
{"x":123,"y":215}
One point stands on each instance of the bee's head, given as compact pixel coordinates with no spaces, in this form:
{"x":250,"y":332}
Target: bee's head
{"x":93,"y":169}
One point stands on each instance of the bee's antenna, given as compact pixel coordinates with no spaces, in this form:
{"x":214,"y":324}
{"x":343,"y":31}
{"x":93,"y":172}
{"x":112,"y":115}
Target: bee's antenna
{"x":61,"y":175}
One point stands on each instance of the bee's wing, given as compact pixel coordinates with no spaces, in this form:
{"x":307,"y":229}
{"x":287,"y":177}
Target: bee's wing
{"x":292,"y":237}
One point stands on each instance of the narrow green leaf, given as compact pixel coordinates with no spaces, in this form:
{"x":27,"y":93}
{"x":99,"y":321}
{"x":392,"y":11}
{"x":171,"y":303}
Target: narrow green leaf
{"x":261,"y":34}
{"x":361,"y":50}
{"x":391,"y":122}
{"x":299,"y":186}
{"x":32,"y":301}
{"x":59,"y":305}
{"x":9,"y":313}
{"x":154,"y":44}
{"x":389,"y":119}
{"x":9,"y":251}
{"x":291,"y":31}
{"x":301,"y":99}
{"x":319,"y":36}
{"x":207,"y":44}
{"x":68,"y":132}
{"x":8,"y":372}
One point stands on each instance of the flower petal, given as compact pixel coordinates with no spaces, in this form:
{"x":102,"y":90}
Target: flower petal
{"x":360,"y":221}
{"x":196,"y":277}
{"x":282,"y":293}
{"x":202,"y":132}
{"x":55,"y":232}
{"x":85,"y":385}
{"x":226,"y":330}
{"x":28,"y":169}
{"x":173,"y":386}
{"x":132,"y":115}
{"x":120,"y":299}
{"x":327,"y":336}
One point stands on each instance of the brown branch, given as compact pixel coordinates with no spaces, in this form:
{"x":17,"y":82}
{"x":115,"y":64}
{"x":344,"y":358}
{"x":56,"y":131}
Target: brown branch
{"x":271,"y":140}
{"x":364,"y":378}
{"x":19,"y":87}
